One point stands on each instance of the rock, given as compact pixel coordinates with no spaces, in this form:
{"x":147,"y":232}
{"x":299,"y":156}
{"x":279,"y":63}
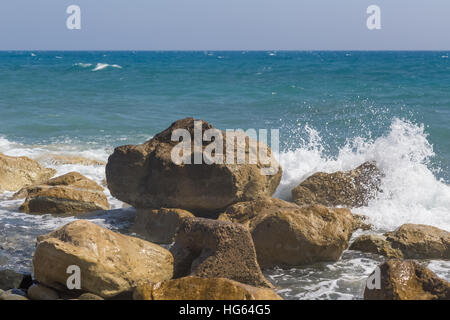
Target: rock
{"x":197,"y":288}
{"x":216,"y":249}
{"x":375,"y":244}
{"x":286,"y":234}
{"x":160,"y":225}
{"x":407,"y":280}
{"x":10,"y":279}
{"x":70,"y":159}
{"x":418,"y":241}
{"x":18,"y":172}
{"x":352,"y":188}
{"x":89,"y":296}
{"x":145,"y":176}
{"x":70,"y":193}
{"x":110,"y":263}
{"x":13,"y":294}
{"x":40,"y":292}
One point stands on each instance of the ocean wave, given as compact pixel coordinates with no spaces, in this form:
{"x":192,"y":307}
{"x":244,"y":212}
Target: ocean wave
{"x":82,"y":65}
{"x":101,"y":66}
{"x":411,"y":191}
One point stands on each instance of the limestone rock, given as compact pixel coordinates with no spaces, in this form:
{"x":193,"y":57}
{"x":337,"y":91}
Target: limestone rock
{"x":197,"y":288}
{"x":146,"y":177}
{"x":211,"y":249}
{"x":110,"y":263}
{"x":159,"y":225}
{"x":352,"y":188}
{"x":407,"y":280}
{"x":18,"y":172}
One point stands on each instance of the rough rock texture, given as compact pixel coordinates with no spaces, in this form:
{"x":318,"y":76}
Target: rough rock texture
{"x":110,"y":263}
{"x":40,"y":292}
{"x":70,"y":193}
{"x":418,"y":241}
{"x":70,"y":159}
{"x":375,"y":244}
{"x":159,"y":225}
{"x":286,"y":234}
{"x":18,"y":172}
{"x":146,"y":177}
{"x":408,"y":280}
{"x":196,"y":288}
{"x":216,"y":249}
{"x":352,"y":188}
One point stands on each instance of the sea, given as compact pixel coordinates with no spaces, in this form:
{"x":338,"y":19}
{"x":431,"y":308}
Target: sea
{"x":334,"y":110}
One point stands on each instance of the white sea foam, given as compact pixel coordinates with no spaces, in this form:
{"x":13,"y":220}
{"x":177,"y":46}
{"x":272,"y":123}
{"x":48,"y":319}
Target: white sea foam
{"x":83,"y":65}
{"x":101,"y":66}
{"x":411,"y":192}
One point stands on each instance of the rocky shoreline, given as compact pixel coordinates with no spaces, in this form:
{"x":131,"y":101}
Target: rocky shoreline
{"x":221,"y":221}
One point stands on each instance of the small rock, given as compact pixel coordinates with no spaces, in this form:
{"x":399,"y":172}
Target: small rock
{"x":13,"y":294}
{"x":40,"y":292}
{"x":375,"y":244}
{"x":10,"y":279}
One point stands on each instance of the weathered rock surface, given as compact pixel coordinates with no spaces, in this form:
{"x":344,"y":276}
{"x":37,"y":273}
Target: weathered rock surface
{"x":197,"y":288}
{"x":352,"y":188}
{"x":18,"y":172}
{"x":407,"y":280}
{"x":286,"y":234}
{"x":376,"y":244}
{"x":110,"y":263}
{"x":146,"y":177}
{"x":418,"y":241}
{"x":40,"y":292}
{"x":159,"y":225}
{"x":216,"y":249}
{"x":69,"y":193}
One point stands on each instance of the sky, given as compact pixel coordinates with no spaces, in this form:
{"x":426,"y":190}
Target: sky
{"x":225,"y":25}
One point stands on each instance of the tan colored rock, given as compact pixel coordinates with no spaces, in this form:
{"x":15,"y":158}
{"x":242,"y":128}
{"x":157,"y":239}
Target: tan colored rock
{"x":18,"y":172}
{"x":417,"y":241}
{"x":110,"y":263}
{"x":376,"y":244}
{"x":352,"y":188}
{"x":286,"y":234}
{"x":40,"y":292}
{"x":406,"y":280}
{"x":196,"y":288}
{"x":159,"y":225}
{"x":146,"y":177}
{"x":59,"y":159}
{"x":216,"y":249}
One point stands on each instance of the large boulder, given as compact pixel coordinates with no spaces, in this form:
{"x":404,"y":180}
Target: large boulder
{"x":405,"y":280}
{"x":197,"y":288}
{"x":18,"y":172}
{"x":418,"y":241}
{"x":71,"y":193}
{"x":286,"y":234}
{"x":352,"y":188}
{"x":159,"y":225}
{"x":216,"y":249}
{"x":110,"y":263}
{"x":146,"y":176}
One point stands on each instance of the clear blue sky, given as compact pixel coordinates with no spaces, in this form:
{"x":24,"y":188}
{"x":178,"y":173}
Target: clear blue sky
{"x":225,"y":25}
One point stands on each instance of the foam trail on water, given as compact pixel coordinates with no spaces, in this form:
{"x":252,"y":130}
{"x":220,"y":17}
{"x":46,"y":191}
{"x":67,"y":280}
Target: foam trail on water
{"x":411,"y":192}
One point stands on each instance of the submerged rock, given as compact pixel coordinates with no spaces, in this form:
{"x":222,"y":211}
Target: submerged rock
{"x":405,"y":280}
{"x":18,"y":172}
{"x":146,"y":177}
{"x":70,"y":193}
{"x":110,"y":263}
{"x":197,"y":288}
{"x":352,"y":188}
{"x":159,"y":225}
{"x":216,"y":249}
{"x":286,"y":234}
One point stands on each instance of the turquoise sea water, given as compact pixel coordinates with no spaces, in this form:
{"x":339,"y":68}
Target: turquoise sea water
{"x":334,"y":110}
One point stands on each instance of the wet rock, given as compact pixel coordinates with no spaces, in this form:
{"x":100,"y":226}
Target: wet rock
{"x":18,"y":172}
{"x":146,"y":177}
{"x":406,"y":280}
{"x":286,"y":234}
{"x":159,"y":225}
{"x":376,"y":244}
{"x":352,"y":188}
{"x":40,"y":292}
{"x":197,"y":288}
{"x":110,"y":263}
{"x":211,"y":249}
